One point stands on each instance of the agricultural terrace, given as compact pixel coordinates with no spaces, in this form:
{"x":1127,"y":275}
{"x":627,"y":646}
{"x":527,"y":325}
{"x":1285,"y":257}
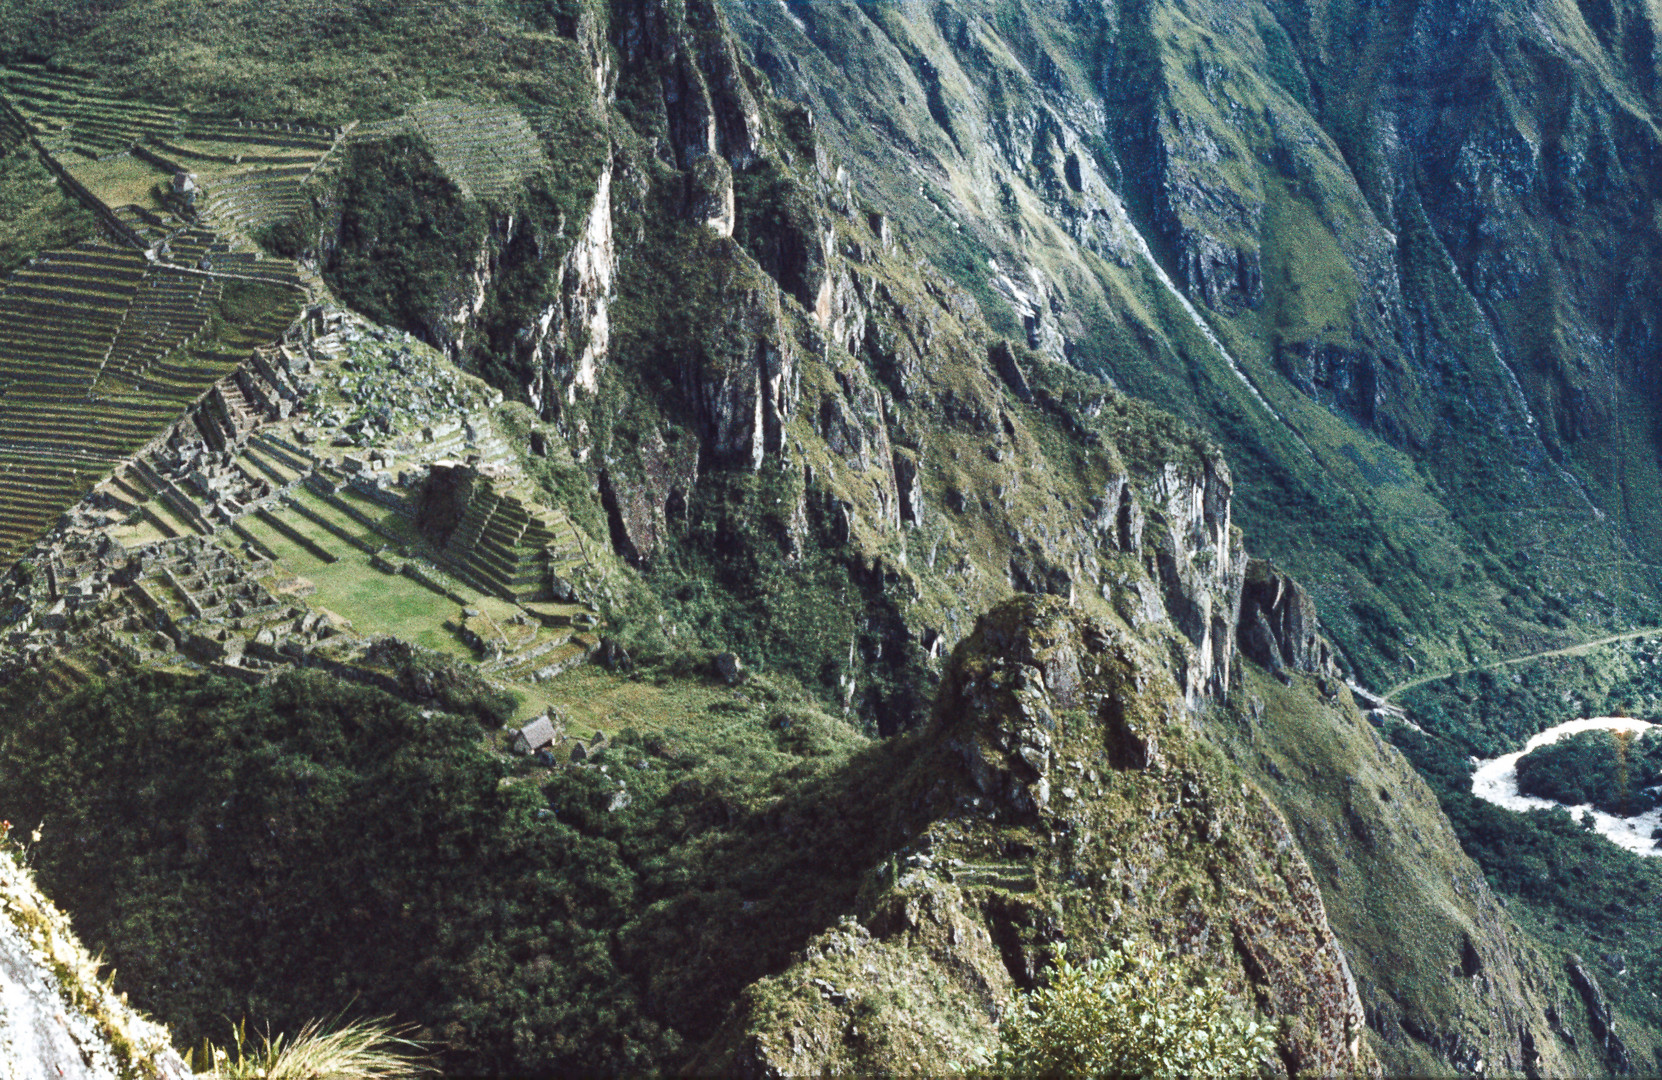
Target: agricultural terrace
{"x":101,"y":348}
{"x":252,"y":200}
{"x":71,"y":114}
{"x":253,"y":175}
{"x":100,"y":351}
{"x":486,"y":150}
{"x":342,"y":552}
{"x":124,"y":153}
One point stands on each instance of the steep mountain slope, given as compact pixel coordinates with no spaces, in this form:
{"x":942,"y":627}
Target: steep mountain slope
{"x":1421,"y":237}
{"x":831,"y":381}
{"x":1282,"y":233}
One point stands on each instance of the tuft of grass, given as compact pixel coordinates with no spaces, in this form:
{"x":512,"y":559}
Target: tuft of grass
{"x":357,"y":1050}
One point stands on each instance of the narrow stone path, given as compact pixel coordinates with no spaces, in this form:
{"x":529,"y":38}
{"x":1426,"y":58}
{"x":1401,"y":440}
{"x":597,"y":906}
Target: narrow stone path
{"x":1567,"y":650}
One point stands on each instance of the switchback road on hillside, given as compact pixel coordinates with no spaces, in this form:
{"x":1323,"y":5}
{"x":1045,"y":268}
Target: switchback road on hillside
{"x":1567,"y":650}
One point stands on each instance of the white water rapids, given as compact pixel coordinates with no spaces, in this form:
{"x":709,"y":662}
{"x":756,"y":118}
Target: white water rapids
{"x":1496,"y":781}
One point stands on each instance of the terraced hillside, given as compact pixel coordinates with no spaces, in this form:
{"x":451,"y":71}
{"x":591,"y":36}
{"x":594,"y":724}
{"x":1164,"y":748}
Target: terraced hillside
{"x":73,"y":113}
{"x":260,"y":197}
{"x":124,"y":155}
{"x":99,"y":351}
{"x":104,"y":345}
{"x":486,"y":150}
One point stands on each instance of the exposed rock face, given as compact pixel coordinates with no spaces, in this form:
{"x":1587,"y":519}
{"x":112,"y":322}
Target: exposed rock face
{"x":1599,"y":1016}
{"x":709,"y":107}
{"x":1200,"y":563}
{"x":1211,"y":223}
{"x":639,"y":504}
{"x":1004,"y":362}
{"x":740,"y":379}
{"x":1345,"y":379}
{"x":1431,"y":221}
{"x":1067,"y":728}
{"x":710,"y":194}
{"x":797,"y":248}
{"x":908,"y":487}
{"x":57,"y":1018}
{"x":1278,"y":627}
{"x":1119,"y":516}
{"x":570,"y":340}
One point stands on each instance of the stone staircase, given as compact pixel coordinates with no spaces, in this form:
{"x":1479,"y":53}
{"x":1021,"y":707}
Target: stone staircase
{"x":1005,"y":877}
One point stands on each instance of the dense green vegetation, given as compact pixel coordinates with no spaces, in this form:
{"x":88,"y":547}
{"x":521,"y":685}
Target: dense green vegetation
{"x":1569,"y":885}
{"x":315,"y":846}
{"x":1610,"y":770}
{"x":1491,"y":712}
{"x":293,"y":59}
{"x":35,"y":214}
{"x":404,"y":229}
{"x":1126,"y":1014}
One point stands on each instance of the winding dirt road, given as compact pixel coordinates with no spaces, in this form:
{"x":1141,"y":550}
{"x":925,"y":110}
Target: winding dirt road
{"x":1568,"y":650}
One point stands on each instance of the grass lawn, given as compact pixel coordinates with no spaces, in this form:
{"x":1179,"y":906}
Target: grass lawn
{"x":391,"y":522}
{"x":267,"y":465}
{"x":374,"y":602}
{"x":594,"y":699}
{"x":118,"y":181}
{"x":292,"y":155}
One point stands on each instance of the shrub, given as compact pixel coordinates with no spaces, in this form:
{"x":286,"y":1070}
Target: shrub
{"x":1128,"y":1014}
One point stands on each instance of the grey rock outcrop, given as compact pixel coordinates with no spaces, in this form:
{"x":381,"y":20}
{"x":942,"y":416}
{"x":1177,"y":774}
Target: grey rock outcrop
{"x":1599,"y":1015}
{"x":570,"y":340}
{"x":643,"y":492}
{"x":741,"y":377}
{"x":58,"y":1020}
{"x":1198,"y":558}
{"x":1278,"y":628}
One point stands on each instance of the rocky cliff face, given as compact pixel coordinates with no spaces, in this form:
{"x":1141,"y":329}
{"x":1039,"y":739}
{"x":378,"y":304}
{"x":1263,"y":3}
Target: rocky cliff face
{"x":58,"y":1017}
{"x":1279,"y":629}
{"x":572,"y":335}
{"x":716,"y":302}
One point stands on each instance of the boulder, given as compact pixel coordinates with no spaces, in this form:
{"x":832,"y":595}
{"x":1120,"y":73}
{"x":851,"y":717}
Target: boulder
{"x":729,"y":668}
{"x":614,"y":655}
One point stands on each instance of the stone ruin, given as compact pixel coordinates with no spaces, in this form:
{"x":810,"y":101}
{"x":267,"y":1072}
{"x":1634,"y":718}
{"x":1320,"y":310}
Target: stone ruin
{"x":207,"y":593}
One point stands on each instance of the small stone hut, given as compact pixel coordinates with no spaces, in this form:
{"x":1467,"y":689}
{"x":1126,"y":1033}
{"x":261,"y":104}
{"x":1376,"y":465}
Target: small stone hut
{"x":534,"y":736}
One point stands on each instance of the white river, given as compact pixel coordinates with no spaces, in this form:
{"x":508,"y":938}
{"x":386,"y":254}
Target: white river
{"x":1496,"y":781}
